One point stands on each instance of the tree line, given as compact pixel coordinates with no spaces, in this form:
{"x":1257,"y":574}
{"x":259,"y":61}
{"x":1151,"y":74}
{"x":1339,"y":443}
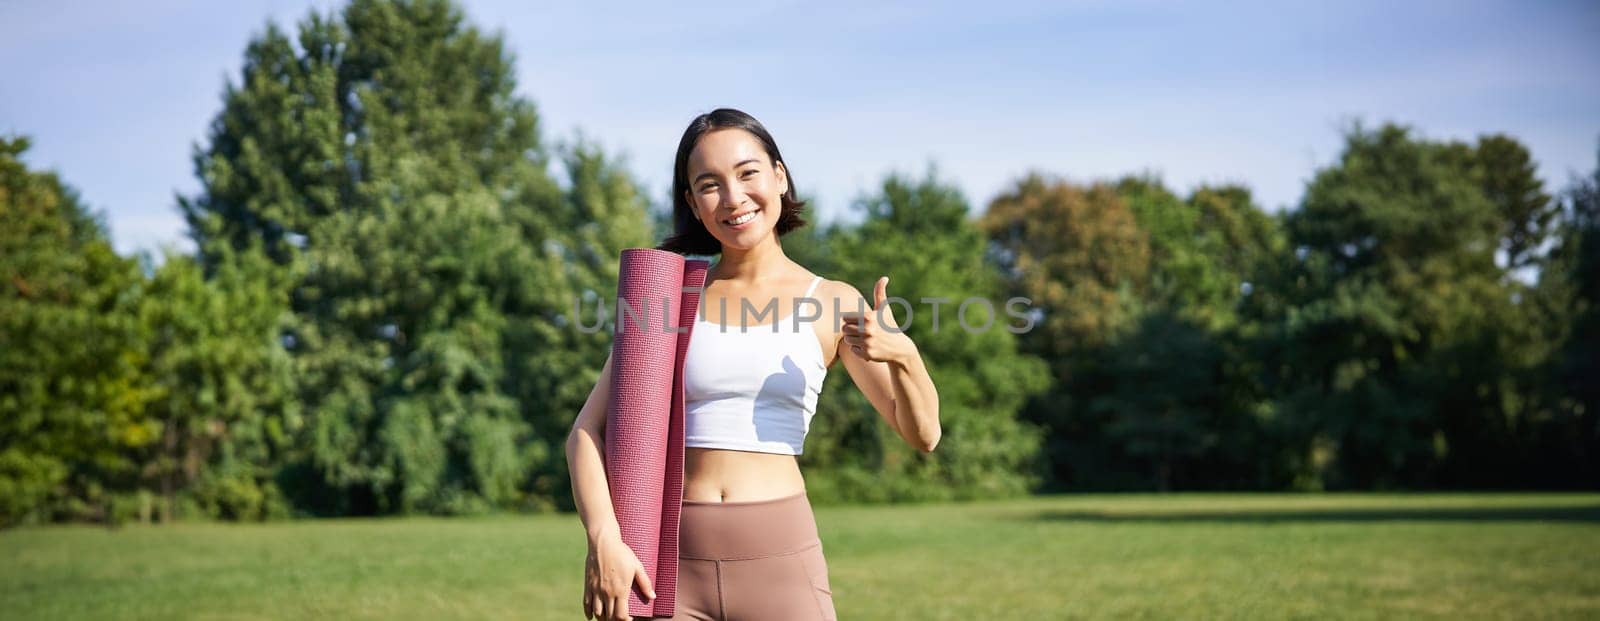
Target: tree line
{"x":376,"y":315}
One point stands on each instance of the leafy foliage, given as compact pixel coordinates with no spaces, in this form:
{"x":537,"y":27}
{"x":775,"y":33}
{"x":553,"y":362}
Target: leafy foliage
{"x":71,"y":400}
{"x":384,"y":159}
{"x":378,"y":318}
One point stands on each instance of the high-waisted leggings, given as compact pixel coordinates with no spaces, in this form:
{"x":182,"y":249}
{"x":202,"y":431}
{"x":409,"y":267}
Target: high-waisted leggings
{"x":742,"y":561}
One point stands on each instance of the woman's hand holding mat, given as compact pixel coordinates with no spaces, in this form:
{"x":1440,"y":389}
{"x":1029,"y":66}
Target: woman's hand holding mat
{"x":609,"y":575}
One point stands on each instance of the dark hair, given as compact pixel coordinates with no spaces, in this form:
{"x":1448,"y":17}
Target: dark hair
{"x":689,"y":235}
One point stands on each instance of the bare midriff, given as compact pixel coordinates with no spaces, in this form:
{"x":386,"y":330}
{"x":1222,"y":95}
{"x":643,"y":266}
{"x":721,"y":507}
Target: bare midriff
{"x":722,"y":475}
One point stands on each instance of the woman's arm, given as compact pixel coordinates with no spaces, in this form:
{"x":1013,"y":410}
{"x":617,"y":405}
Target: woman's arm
{"x":586,"y":460}
{"x":885,"y":364}
{"x":611,"y":568}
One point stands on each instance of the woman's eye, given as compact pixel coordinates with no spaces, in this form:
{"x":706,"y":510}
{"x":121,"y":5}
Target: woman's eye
{"x":708,"y":186}
{"x":746,"y":173}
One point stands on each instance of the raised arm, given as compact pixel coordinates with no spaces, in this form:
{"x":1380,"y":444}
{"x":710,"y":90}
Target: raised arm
{"x":884,"y":362}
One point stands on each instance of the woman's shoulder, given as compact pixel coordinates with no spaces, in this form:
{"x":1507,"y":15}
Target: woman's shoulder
{"x":829,"y":290}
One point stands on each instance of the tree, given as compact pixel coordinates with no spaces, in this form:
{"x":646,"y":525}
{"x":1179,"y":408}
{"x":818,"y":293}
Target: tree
{"x":1568,"y":441}
{"x":1177,"y":392}
{"x":383,"y":158}
{"x":1079,"y":254}
{"x":1184,"y":275}
{"x":1506,"y":173}
{"x":552,"y":363}
{"x":71,"y":403}
{"x":1399,"y":352}
{"x":221,"y":388}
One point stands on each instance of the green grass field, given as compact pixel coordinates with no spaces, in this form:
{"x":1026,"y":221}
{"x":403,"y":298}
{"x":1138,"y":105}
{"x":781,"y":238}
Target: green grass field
{"x":1522,"y":556}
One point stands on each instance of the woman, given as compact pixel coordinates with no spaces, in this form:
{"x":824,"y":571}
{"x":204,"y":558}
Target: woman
{"x":748,"y":546}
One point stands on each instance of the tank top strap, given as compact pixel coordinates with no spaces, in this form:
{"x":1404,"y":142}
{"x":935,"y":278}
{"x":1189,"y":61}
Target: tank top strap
{"x":813,"y":287}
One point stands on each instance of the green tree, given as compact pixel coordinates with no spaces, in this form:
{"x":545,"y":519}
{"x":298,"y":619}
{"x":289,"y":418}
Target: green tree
{"x":1509,"y":179}
{"x":1568,"y":442}
{"x":1176,"y":393}
{"x":1154,"y":387}
{"x":383,"y":158}
{"x":552,"y":364}
{"x":1161,"y":396}
{"x":71,"y":400}
{"x":1249,"y":247}
{"x":1078,"y":253}
{"x":1399,"y":352}
{"x":1185,"y":275}
{"x":220,"y":388}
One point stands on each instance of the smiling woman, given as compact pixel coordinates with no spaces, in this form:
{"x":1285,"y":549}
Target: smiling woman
{"x":748,"y":543}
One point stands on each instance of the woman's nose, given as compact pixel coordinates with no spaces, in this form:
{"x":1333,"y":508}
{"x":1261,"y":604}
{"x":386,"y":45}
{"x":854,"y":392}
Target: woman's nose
{"x":729,"y":195}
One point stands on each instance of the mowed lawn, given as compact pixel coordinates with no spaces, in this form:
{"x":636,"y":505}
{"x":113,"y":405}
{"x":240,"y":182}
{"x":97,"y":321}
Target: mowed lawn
{"x":1267,"y":556}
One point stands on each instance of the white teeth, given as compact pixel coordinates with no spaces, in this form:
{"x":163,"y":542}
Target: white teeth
{"x":741,"y":219}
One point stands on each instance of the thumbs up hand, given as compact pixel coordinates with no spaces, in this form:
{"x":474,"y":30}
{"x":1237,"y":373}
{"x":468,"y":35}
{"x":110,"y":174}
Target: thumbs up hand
{"x":874,"y":334}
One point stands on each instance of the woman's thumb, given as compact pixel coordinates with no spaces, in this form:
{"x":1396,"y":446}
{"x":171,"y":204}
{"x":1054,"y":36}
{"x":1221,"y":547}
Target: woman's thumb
{"x":643,"y":579}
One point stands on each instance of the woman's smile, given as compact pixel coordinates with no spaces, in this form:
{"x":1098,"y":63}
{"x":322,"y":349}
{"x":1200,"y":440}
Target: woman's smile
{"x":742,"y":221}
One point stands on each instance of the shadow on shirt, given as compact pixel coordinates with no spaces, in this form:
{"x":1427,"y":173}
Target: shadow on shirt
{"x":783,"y":393}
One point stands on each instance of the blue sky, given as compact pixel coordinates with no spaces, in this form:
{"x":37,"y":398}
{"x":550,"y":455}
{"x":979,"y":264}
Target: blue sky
{"x":115,"y":94}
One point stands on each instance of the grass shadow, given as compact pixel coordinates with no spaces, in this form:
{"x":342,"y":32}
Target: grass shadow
{"x":1589,"y":513}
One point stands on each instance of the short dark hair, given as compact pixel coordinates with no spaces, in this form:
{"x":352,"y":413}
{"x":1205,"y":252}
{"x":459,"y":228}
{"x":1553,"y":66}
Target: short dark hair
{"x":689,"y":234}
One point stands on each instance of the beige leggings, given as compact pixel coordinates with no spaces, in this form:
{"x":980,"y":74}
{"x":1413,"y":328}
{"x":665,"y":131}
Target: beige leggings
{"x":751,"y":560}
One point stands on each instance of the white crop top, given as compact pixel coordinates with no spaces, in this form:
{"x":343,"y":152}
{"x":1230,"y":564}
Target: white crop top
{"x":753,"y":388}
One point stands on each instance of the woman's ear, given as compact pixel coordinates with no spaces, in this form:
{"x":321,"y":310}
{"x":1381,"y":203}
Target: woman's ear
{"x":783,"y":178}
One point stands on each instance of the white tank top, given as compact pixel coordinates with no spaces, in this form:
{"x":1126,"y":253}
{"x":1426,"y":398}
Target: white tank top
{"x":753,"y":388}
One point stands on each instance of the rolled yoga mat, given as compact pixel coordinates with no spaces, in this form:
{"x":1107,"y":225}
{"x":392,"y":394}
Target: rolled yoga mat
{"x":658,"y":293}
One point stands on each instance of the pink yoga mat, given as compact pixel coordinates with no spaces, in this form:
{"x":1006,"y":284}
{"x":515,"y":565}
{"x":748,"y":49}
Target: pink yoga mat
{"x":644,"y":425}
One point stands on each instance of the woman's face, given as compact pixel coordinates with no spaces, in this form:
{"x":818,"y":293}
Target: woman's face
{"x":734,"y":188}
